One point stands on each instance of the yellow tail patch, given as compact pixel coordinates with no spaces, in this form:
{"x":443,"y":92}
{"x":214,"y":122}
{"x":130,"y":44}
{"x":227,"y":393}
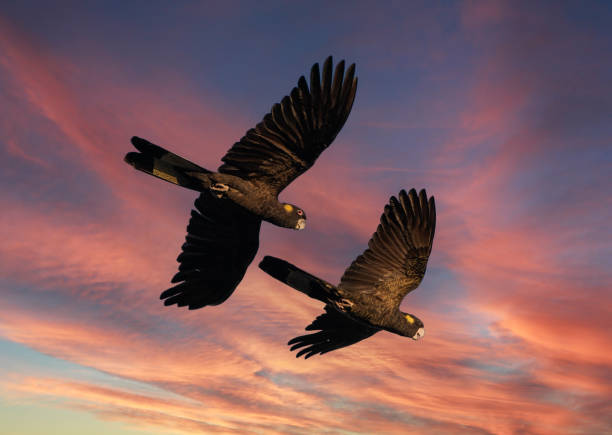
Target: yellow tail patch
{"x":164,"y":176}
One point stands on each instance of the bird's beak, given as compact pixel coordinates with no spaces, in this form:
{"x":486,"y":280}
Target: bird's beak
{"x":420,"y":333}
{"x":301,"y":224}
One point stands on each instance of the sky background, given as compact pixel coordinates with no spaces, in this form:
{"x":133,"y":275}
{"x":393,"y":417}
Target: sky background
{"x":501,"y":110}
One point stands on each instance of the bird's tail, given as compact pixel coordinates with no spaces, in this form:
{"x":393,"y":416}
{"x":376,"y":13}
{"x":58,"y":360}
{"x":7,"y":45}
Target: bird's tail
{"x":160,"y":163}
{"x":298,"y":279}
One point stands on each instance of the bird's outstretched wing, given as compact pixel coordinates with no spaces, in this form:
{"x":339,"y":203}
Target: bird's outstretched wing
{"x":296,"y":131}
{"x":397,"y":254}
{"x":222,"y":240}
{"x":335,"y":331}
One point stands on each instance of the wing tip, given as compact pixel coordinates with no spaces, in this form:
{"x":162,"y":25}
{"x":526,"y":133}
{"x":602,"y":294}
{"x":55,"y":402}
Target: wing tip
{"x":166,"y":294}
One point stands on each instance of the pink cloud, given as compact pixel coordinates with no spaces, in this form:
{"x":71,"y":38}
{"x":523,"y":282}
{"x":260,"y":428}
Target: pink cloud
{"x":98,"y":134}
{"x":15,"y":150}
{"x":229,"y":364}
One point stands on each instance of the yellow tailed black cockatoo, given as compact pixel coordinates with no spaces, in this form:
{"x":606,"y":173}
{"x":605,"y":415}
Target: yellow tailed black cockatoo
{"x":223,"y":234}
{"x":368,"y":297}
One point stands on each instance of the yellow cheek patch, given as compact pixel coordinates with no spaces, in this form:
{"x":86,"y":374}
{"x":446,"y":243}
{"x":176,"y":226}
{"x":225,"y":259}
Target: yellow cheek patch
{"x":288,"y":208}
{"x":410,"y":319}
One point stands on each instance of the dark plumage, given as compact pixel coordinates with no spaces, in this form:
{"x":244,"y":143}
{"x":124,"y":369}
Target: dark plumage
{"x":223,"y":233}
{"x":372,"y":288}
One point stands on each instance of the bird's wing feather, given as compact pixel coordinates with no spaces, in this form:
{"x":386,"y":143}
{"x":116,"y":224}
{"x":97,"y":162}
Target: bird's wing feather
{"x":222,"y":240}
{"x":335,"y":331}
{"x":291,"y":137}
{"x":397,"y":254}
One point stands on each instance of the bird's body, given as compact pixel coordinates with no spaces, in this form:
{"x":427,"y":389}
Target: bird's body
{"x":258,"y":201}
{"x":368,"y":297}
{"x":223,"y":234}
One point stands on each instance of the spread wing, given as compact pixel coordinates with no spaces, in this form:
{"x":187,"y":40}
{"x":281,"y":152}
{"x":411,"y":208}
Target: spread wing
{"x":222,"y":240}
{"x":335,"y":331}
{"x":296,"y":131}
{"x":397,"y":254}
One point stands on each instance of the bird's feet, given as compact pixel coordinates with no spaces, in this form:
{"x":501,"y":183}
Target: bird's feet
{"x":219,"y":189}
{"x":344,"y":304}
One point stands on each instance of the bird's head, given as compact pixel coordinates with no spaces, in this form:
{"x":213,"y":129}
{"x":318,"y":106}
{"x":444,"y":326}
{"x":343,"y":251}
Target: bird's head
{"x":294,"y":217}
{"x":413,"y":326}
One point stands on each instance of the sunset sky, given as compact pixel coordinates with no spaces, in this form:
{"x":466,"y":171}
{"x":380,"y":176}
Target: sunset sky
{"x":501,"y":110}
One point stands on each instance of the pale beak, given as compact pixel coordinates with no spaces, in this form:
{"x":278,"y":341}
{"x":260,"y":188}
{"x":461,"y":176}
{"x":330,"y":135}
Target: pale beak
{"x":301,"y":224}
{"x":420,"y":333}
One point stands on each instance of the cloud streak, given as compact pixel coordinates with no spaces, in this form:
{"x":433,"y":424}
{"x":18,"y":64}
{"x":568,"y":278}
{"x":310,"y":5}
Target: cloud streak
{"x":515,"y":299}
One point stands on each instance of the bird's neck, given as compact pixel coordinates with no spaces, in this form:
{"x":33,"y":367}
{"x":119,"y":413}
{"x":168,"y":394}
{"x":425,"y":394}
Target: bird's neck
{"x":274,"y":212}
{"x":266,"y":207}
{"x":398,"y":324}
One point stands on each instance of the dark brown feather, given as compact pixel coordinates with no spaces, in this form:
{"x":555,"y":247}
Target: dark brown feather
{"x":398,"y":249}
{"x":222,"y":239}
{"x":297,"y":130}
{"x":335,"y":332}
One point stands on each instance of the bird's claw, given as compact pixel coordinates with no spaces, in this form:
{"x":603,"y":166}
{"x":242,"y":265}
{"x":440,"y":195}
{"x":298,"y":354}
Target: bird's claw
{"x":219,"y":189}
{"x":344,"y":304}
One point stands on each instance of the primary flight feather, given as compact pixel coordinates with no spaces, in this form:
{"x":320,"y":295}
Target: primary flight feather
{"x":368,"y":298}
{"x":223,"y":232}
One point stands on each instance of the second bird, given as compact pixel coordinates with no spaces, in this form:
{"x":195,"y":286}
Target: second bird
{"x":368,"y":298}
{"x":223,"y":234}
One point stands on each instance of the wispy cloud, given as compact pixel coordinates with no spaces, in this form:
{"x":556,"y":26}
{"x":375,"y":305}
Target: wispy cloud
{"x":507,"y":132}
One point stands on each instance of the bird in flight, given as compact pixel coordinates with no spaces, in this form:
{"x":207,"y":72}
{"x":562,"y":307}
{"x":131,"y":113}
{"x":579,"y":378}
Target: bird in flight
{"x":368,"y":297}
{"x":223,"y":232}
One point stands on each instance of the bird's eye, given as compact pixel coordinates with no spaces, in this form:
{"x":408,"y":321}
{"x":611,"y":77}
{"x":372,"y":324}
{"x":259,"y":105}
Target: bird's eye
{"x":300,"y":212}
